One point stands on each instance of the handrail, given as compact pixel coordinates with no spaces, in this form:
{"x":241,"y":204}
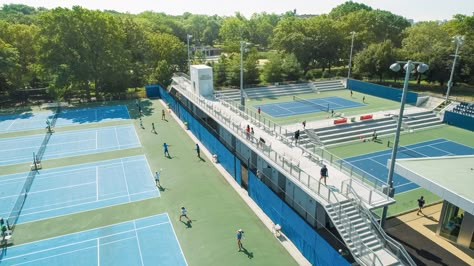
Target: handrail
{"x":293,"y":169}
{"x":389,"y":242}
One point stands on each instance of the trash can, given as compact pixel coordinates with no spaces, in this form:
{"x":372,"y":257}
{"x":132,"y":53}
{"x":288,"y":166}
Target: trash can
{"x":186,"y":125}
{"x":214,"y":158}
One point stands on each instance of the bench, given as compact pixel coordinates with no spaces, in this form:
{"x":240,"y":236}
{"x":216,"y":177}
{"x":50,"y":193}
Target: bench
{"x":340,"y":121}
{"x":366,"y":117}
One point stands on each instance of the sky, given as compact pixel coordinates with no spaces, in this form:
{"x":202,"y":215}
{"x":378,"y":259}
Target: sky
{"x":418,"y":10}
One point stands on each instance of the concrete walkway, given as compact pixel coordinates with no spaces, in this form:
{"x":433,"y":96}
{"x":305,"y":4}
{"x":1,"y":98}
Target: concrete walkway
{"x":418,"y":234}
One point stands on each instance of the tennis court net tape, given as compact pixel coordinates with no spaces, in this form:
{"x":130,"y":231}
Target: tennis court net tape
{"x":321,"y":107}
{"x":410,"y":152}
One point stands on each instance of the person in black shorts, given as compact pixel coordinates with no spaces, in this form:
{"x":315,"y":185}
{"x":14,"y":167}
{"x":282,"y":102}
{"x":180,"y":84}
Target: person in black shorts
{"x":324,"y":174}
{"x":421,"y":203}
{"x":297,"y":136}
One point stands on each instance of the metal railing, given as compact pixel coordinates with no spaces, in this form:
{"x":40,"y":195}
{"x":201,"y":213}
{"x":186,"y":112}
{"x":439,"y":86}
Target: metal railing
{"x":315,"y":153}
{"x":287,"y":163}
{"x":388,"y":243}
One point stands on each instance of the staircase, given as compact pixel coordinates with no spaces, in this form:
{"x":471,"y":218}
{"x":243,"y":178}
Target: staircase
{"x":269,"y":91}
{"x":363,"y":236}
{"x":328,"y":85}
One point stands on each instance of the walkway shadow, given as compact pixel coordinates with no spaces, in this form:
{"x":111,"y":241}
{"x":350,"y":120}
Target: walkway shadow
{"x":423,"y":250}
{"x":248,"y":253}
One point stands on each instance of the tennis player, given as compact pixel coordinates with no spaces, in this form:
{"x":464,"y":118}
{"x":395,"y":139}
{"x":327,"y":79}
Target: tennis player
{"x":240,"y":234}
{"x":184,"y":213}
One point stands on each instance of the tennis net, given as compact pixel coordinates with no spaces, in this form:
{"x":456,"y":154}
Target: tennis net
{"x":322,"y":107}
{"x":410,"y":152}
{"x":20,"y":201}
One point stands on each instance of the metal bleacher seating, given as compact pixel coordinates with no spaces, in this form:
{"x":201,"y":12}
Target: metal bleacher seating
{"x":464,"y":108}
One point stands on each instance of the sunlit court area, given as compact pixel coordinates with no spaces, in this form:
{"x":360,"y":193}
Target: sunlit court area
{"x":238,"y":133}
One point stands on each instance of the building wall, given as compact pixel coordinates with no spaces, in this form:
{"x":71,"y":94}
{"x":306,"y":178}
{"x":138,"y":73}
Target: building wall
{"x":279,"y":198}
{"x":459,"y":120}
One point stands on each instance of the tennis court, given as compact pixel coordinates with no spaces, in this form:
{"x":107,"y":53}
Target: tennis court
{"x":146,"y":241}
{"x":65,"y":190}
{"x":304,"y":106}
{"x":375,"y":164}
{"x":37,"y":120}
{"x":70,"y":143}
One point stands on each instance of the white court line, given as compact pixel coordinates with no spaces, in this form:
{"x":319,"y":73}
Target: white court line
{"x":128,"y":113}
{"x":136,"y":135}
{"x":84,"y":241}
{"x":10,"y":125}
{"x":116,"y":137}
{"x":97,"y":183}
{"x":52,"y":256}
{"x":176,"y":237}
{"x":98,"y":252}
{"x":80,"y":204}
{"x":59,"y":188}
{"x":138,"y":242}
{"x":125,"y":178}
{"x":151,"y":172}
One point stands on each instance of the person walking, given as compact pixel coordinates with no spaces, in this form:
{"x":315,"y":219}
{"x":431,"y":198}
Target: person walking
{"x":157,"y":178}
{"x":258,"y":110}
{"x":163,"y":114}
{"x":184,"y":213}
{"x":198,"y":151}
{"x":304,"y":124}
{"x":297,"y":136}
{"x":351,"y":93}
{"x":251,"y":131}
{"x":324,"y":174}
{"x":247,"y":132}
{"x":421,"y":203}
{"x":141,"y":123}
{"x":153,"y":128}
{"x":165,"y":150}
{"x":240,"y":234}
{"x":363,"y":99}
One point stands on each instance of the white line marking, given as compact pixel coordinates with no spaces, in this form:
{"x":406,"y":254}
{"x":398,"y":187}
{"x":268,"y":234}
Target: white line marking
{"x":116,"y":137}
{"x":10,"y":125}
{"x":92,"y":201}
{"x":57,"y":255}
{"x":98,"y":252}
{"x":97,"y":182}
{"x":138,"y":242}
{"x":125,"y":178}
{"x":152,"y":174}
{"x":96,"y":140}
{"x":59,"y":188}
{"x":176,"y":237}
{"x":88,"y":240}
{"x":96,"y":228}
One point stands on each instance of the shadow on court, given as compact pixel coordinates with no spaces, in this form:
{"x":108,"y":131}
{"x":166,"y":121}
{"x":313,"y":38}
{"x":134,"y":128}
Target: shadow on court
{"x":248,"y":253}
{"x":188,"y":224}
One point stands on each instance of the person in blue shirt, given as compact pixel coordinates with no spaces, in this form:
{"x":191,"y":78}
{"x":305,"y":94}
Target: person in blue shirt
{"x":165,"y":149}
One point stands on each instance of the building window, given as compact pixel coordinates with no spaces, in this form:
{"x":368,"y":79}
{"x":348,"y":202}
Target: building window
{"x":451,"y":222}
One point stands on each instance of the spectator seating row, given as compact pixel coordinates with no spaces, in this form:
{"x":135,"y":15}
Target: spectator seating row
{"x":464,"y":109}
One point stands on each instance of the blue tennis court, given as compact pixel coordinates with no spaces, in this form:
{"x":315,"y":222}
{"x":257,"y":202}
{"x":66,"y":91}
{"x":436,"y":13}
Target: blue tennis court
{"x":70,"y":143}
{"x":67,"y":117}
{"x":375,"y":164}
{"x":146,"y":241}
{"x":298,"y":107}
{"x":65,"y":190}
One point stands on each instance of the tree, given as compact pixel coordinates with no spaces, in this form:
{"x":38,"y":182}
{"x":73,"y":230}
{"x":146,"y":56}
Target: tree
{"x":429,"y":43}
{"x":347,"y":8}
{"x":232,"y":31}
{"x":375,"y":60}
{"x":9,"y":65}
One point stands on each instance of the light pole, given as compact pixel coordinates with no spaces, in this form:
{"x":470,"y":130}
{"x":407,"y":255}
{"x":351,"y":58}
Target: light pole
{"x":409,"y":66}
{"x":243,"y":45}
{"x":350,"y":56}
{"x":189,"y":36}
{"x":458,"y":40}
